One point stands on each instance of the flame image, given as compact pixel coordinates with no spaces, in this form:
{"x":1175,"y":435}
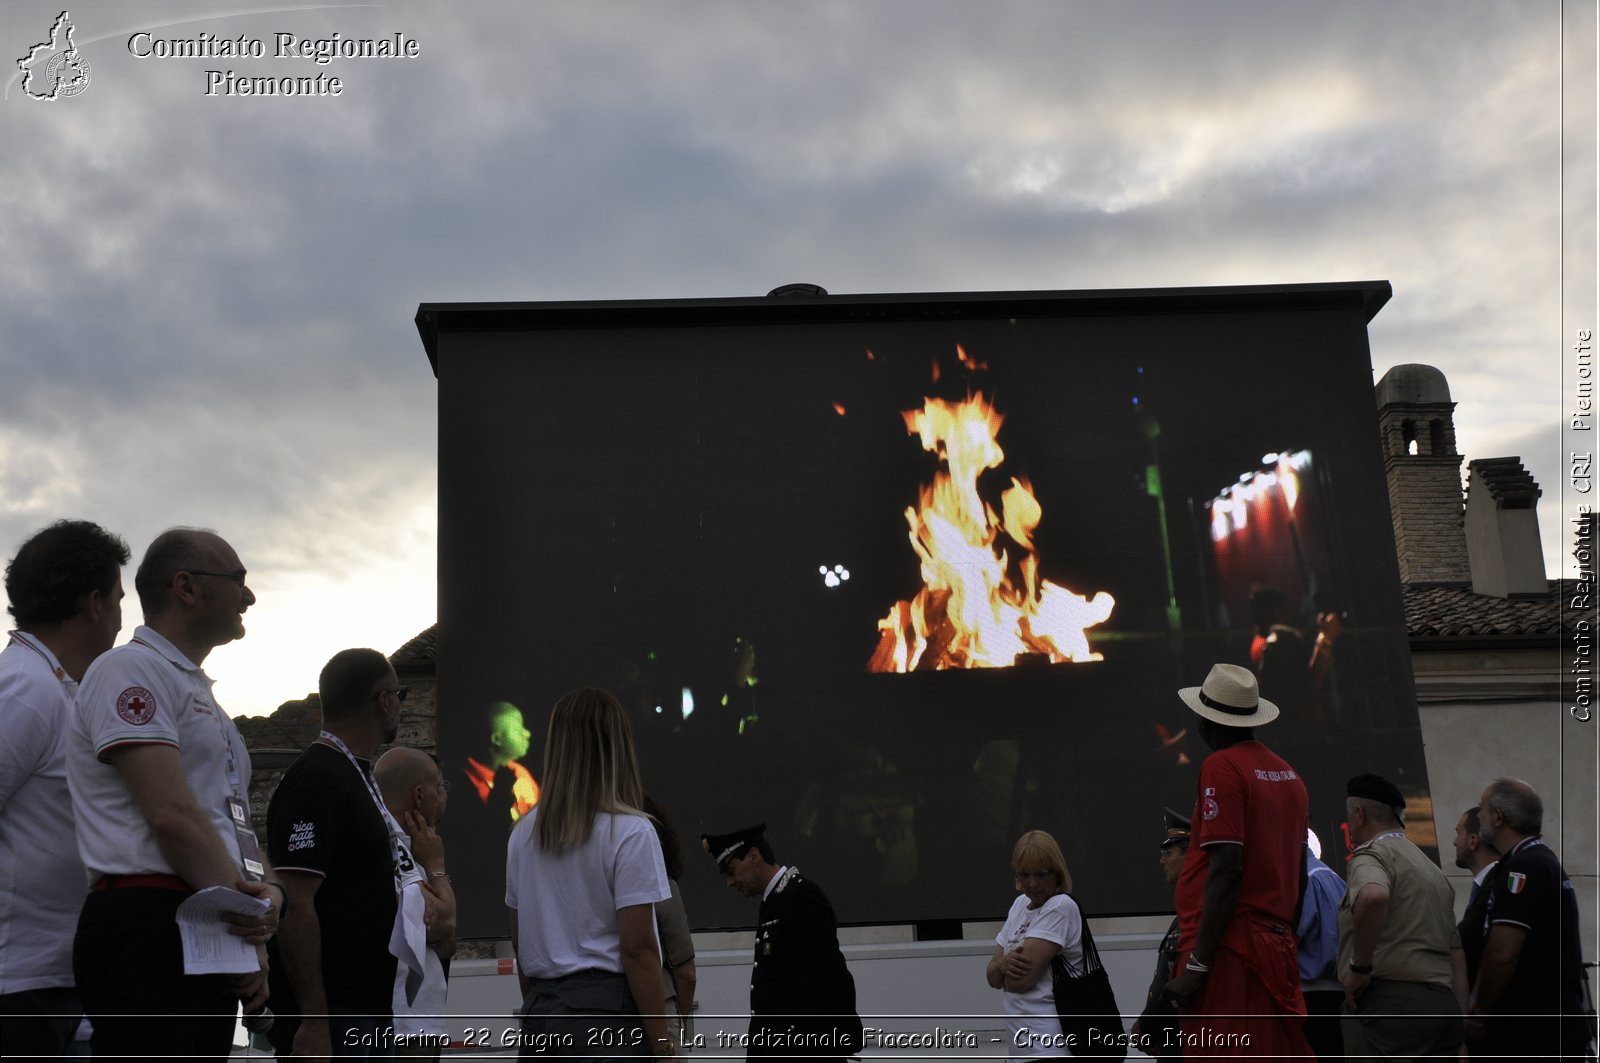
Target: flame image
{"x":977,"y":608}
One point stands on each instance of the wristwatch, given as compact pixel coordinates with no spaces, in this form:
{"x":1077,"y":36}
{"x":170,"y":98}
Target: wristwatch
{"x":1359,"y":968}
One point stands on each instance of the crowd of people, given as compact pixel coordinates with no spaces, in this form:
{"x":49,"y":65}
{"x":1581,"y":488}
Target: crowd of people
{"x":344,"y":920}
{"x":1264,"y":928}
{"x":124,"y":792}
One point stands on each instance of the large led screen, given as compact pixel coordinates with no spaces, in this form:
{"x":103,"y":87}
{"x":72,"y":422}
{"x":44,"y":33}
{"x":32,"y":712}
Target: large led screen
{"x":904,"y":576}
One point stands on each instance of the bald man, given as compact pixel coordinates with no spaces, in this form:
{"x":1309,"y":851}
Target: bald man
{"x":415,"y":792}
{"x":160,"y":784}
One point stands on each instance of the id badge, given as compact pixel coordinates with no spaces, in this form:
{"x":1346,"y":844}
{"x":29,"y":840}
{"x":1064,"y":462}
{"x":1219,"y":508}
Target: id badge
{"x":249,"y":847}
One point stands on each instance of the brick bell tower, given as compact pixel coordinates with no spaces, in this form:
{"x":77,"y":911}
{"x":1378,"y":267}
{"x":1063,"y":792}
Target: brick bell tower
{"x":1415,"y":419}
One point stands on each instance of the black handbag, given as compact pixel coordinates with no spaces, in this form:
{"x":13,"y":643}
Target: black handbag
{"x":1090,"y":1018}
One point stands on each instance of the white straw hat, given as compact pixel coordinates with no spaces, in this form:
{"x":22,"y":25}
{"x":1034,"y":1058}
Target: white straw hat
{"x":1230,"y":697}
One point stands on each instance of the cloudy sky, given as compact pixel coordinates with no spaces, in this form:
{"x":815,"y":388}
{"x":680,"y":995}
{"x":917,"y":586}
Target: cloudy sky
{"x":206,"y":302}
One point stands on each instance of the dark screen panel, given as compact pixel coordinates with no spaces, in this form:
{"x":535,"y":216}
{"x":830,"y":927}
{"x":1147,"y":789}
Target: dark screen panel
{"x":668,"y":512}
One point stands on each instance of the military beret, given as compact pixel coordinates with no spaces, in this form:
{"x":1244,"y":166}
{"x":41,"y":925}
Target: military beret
{"x":1372,"y":787}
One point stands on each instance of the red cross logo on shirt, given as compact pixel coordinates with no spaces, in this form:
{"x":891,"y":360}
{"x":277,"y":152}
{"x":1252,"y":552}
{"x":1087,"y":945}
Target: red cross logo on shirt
{"x":136,"y":705}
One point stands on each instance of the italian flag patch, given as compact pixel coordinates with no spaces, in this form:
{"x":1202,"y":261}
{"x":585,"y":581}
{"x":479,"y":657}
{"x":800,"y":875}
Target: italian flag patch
{"x":1515,"y":881}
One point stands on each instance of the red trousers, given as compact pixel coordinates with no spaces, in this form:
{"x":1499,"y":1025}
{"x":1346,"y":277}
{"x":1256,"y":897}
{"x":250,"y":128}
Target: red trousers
{"x":1237,"y":1014}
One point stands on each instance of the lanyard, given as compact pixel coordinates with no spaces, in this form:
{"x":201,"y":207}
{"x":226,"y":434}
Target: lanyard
{"x":1370,"y":842}
{"x":405,"y":868}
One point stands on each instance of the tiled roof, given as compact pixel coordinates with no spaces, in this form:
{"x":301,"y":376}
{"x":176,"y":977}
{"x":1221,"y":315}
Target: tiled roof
{"x":422,"y":652}
{"x":1438,"y":611}
{"x":292,"y":726}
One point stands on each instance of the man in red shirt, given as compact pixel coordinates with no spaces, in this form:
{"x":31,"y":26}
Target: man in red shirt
{"x":1238,"y":989}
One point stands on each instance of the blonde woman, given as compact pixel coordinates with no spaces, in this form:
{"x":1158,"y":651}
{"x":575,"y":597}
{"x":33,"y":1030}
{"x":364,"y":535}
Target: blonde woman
{"x":583,"y":874}
{"x":1043,"y":921}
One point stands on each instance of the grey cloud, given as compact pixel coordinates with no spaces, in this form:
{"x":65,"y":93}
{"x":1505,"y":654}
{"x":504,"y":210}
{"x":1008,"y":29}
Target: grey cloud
{"x":220,"y":292}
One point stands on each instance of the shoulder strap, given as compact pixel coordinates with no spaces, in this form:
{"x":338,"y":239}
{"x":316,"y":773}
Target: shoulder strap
{"x":1091,"y":955}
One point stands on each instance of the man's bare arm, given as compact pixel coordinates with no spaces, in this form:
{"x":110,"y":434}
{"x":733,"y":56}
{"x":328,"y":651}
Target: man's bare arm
{"x":1223,"y":874}
{"x":300,"y":955}
{"x":1368,"y":913}
{"x":189,"y":841}
{"x":191,"y":845}
{"x":1500,"y":954}
{"x":439,"y":897}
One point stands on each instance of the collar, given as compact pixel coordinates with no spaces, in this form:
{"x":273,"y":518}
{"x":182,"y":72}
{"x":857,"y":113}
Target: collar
{"x":778,"y":879}
{"x":32,"y":642}
{"x":1527,"y":843}
{"x":158,"y":642}
{"x":1378,"y":838}
{"x":1477,"y":879}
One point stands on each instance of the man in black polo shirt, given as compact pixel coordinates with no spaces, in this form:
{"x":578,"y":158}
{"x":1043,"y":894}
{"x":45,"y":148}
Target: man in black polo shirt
{"x":332,"y":973}
{"x":1528,"y":1001}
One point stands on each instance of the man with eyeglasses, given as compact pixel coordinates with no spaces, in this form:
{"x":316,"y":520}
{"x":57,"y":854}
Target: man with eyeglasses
{"x":160,"y":782}
{"x":345,"y":862}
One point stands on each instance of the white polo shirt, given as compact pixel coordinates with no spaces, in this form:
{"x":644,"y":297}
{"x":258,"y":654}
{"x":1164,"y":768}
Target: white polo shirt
{"x":39,"y":875}
{"x":141,"y":693}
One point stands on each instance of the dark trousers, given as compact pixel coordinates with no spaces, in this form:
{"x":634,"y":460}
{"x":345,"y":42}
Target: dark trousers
{"x":1404,"y":1020}
{"x":1534,"y":1037}
{"x":585,"y":1015}
{"x":128,"y":961}
{"x":1324,"y":1008}
{"x":39,"y":1022}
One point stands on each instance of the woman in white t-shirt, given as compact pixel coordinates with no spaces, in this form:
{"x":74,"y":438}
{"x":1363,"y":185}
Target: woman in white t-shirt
{"x":1042,"y":922}
{"x":583,"y":874}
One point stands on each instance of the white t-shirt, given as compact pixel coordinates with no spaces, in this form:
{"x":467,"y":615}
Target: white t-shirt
{"x":141,"y":693}
{"x":567,"y":903}
{"x":1032,"y":1028}
{"x":41,"y":876}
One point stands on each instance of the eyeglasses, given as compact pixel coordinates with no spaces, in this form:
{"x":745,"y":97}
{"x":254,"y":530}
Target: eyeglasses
{"x":236,"y":577}
{"x":1034,"y":876}
{"x":398,"y":692}
{"x":444,"y":786}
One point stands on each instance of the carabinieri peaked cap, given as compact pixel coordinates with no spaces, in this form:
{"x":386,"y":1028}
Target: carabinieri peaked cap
{"x":724,"y":847}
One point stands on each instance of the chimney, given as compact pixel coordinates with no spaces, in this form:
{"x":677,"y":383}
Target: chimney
{"x":1416,"y":422}
{"x":1503,"y":529}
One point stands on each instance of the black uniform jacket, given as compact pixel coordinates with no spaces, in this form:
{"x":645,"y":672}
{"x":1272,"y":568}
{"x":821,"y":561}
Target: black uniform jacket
{"x":802,"y":998}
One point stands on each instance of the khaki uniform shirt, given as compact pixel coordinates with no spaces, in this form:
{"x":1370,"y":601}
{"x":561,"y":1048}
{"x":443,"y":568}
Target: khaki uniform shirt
{"x":1420,"y":929}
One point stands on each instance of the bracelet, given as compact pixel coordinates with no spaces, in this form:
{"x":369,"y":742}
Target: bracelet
{"x":1197,"y":967}
{"x":439,"y":874}
{"x":283,"y":909}
{"x":1360,"y":968}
